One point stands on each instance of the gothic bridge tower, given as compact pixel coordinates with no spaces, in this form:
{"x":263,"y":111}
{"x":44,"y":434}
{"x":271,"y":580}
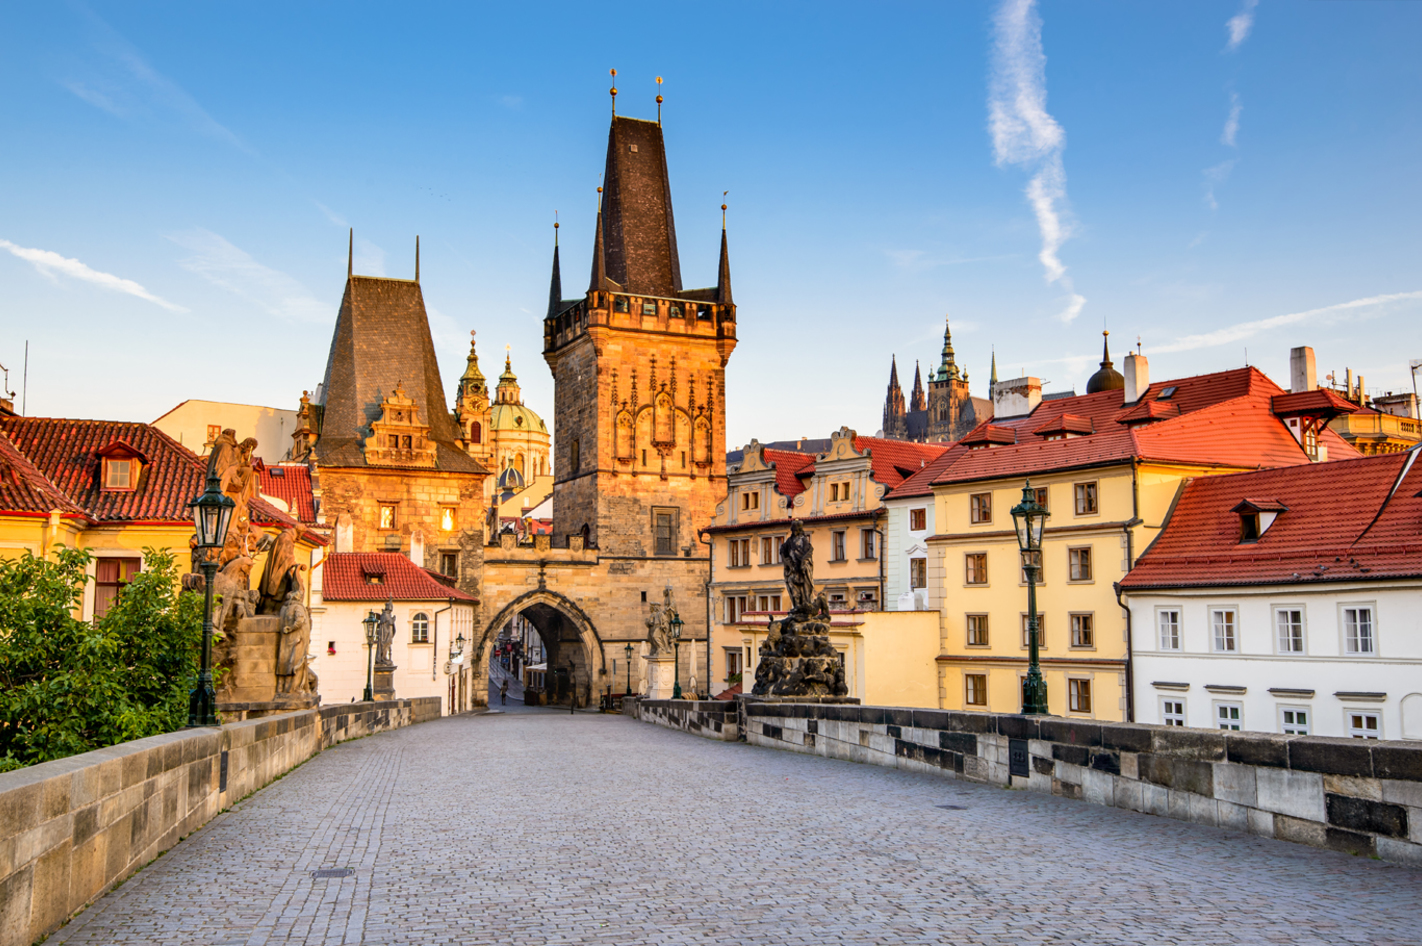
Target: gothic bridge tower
{"x":638,"y":365}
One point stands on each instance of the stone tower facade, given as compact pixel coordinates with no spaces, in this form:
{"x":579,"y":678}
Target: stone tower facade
{"x":895,"y":414}
{"x":639,"y":372}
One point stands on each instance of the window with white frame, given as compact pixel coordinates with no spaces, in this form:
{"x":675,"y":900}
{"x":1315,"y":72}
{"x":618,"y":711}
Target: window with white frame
{"x":769,"y":550}
{"x":837,"y":546}
{"x":420,"y":628}
{"x":1085,"y":494}
{"x":977,"y":630}
{"x":1289,"y":630}
{"x":736,"y":605}
{"x":1083,"y":630}
{"x":1224,"y":622}
{"x":1359,"y":632}
{"x":1168,"y":619}
{"x":980,"y":508}
{"x":866,"y":544}
{"x":1079,"y":696}
{"x":1229,"y":715}
{"x":1079,"y":564}
{"x":918,"y":573}
{"x":1364,"y":724}
{"x":1294,"y":720}
{"x":1172,"y":711}
{"x":750,"y":501}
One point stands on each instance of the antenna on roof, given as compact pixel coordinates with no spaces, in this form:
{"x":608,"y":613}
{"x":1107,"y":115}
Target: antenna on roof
{"x":613,"y":90}
{"x":659,"y":101}
{"x":1246,"y":356}
{"x":350,"y":256}
{"x":1138,"y":344}
{"x":417,"y":257}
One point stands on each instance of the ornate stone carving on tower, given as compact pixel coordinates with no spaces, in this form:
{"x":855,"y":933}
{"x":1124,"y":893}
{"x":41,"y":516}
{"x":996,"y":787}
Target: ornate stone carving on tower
{"x":471,"y":409}
{"x":398,"y":438}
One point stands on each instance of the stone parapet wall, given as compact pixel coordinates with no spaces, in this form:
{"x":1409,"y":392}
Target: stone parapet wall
{"x":1356,"y":796}
{"x":712,"y":719}
{"x":72,"y":828}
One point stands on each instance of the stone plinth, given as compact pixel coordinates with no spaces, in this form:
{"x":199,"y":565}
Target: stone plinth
{"x":798,"y":660}
{"x":249,"y":654}
{"x":384,"y":686}
{"x":661,"y":677}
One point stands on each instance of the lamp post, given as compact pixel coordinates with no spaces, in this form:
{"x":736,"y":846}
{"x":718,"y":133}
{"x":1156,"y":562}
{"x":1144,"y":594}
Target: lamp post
{"x":371,"y":620}
{"x":212,"y":511}
{"x":676,"y":624}
{"x":1029,"y":517}
{"x":629,"y":668}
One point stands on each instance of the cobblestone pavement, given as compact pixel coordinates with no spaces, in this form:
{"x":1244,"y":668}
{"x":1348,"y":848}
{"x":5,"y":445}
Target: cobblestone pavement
{"x":541,"y":828}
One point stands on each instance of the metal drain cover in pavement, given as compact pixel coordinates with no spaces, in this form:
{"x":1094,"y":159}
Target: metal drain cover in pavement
{"x":952,"y":807}
{"x":332,"y":873}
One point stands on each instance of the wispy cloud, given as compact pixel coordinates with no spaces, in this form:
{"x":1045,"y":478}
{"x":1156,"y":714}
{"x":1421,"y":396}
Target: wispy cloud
{"x":1215,"y":176}
{"x":331,"y":215}
{"x":1239,"y":25}
{"x":52,"y":265}
{"x":1231,"y":127}
{"x":1026,"y":135}
{"x":918,"y":260}
{"x":1244,"y":330}
{"x":133,"y":79}
{"x":233,"y":269}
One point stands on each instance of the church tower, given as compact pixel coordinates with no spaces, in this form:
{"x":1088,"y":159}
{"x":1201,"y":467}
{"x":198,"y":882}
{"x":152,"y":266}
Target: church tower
{"x":916,"y":400}
{"x":951,"y":411}
{"x":895,"y":422}
{"x":639,"y":371}
{"x":471,"y":410}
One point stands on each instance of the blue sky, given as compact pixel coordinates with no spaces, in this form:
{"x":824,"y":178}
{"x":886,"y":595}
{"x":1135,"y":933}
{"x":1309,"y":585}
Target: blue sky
{"x":1211,"y":177}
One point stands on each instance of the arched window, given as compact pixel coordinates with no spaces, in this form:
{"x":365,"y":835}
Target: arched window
{"x":518,"y":465}
{"x":624,"y":435}
{"x":664,"y":430}
{"x":420,"y":628}
{"x":476,"y":432}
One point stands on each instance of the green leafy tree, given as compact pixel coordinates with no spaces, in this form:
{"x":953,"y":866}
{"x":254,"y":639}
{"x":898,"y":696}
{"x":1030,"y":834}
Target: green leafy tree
{"x":69,"y":686}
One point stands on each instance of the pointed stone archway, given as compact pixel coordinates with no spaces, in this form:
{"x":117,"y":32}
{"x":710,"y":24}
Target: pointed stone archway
{"x":569,"y":636}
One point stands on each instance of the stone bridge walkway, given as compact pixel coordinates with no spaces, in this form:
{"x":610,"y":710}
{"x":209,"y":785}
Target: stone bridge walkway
{"x":541,"y":827}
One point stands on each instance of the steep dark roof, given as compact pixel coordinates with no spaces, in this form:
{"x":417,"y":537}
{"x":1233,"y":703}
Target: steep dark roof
{"x":639,"y":233}
{"x":382,"y":339}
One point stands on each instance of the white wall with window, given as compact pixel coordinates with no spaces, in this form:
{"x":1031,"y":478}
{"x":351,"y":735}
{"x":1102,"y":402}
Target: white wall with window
{"x":907,"y":526}
{"x":1342,"y":659}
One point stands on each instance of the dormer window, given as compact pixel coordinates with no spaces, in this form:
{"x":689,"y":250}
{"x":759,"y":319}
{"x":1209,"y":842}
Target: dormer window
{"x":1166,"y":393}
{"x":1256,"y":516}
{"x":120,"y":465}
{"x":118,"y":474}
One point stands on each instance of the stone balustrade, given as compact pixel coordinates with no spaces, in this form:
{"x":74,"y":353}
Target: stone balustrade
{"x":72,"y":828}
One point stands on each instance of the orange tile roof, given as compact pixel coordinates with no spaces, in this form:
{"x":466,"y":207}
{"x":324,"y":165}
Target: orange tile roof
{"x":345,"y":576}
{"x":1352,"y":520}
{"x":893,"y":461}
{"x":24,"y":489}
{"x":291,"y":483}
{"x":789,"y":465}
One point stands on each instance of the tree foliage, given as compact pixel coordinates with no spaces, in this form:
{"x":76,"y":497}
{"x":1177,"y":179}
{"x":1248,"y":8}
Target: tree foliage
{"x":70,"y":686}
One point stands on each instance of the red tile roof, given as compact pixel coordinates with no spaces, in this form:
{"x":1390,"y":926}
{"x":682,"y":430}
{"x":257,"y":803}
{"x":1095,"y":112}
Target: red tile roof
{"x":785,"y":522}
{"x":893,"y":461}
{"x":788,"y":466}
{"x":1346,"y":521}
{"x":66,"y":452}
{"x":24,"y":489}
{"x":1319,"y":402}
{"x":921,"y":483}
{"x":1225,"y":419}
{"x":1067,"y":424}
{"x":346,"y":576}
{"x":291,"y":483}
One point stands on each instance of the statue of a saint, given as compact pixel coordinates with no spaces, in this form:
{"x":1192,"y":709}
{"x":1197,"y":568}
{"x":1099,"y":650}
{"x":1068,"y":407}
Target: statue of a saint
{"x":223,"y":456}
{"x":385,"y":635}
{"x":295,"y":639}
{"x":659,"y":627}
{"x":279,"y":576}
{"x":798,"y":555}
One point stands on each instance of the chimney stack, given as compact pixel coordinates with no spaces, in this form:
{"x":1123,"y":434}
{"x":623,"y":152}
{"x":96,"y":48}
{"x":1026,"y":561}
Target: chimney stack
{"x":1016,"y":397}
{"x":1137,"y":377}
{"x":1303,"y":376}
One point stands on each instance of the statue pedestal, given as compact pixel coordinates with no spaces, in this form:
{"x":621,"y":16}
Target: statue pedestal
{"x":661,"y":677}
{"x":249,"y":689}
{"x":384,"y":686}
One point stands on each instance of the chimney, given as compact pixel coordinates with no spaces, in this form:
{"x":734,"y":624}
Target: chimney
{"x":1303,"y":376}
{"x":1137,"y":377}
{"x":1016,"y":397}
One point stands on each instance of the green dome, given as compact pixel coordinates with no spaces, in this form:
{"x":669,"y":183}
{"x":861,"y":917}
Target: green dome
{"x":504,"y":416}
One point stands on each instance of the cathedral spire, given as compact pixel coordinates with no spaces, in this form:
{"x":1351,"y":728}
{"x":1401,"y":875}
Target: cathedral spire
{"x":917,"y":401}
{"x":894,"y":422}
{"x":723,"y":277}
{"x":599,"y":263}
{"x":555,"y":286}
{"x":947,"y":367}
{"x":993,"y":379}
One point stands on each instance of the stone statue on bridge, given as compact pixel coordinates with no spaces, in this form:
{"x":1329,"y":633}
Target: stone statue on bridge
{"x":385,"y":635}
{"x":797,"y":659}
{"x":798,"y":555}
{"x":659,"y":627}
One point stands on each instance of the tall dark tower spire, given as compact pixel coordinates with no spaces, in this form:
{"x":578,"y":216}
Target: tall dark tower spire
{"x":993,"y":380}
{"x":555,"y":285}
{"x":917,"y":400}
{"x":947,"y":367}
{"x":723,"y":276}
{"x":895,"y":423}
{"x":640,"y":233}
{"x":599,"y":262}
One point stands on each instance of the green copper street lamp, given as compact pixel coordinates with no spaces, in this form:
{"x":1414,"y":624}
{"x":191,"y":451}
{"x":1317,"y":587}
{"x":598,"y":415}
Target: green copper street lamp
{"x":1029,"y":517}
{"x":371,"y":622}
{"x":212,"y":511}
{"x":676,"y":624}
{"x":629,"y":667}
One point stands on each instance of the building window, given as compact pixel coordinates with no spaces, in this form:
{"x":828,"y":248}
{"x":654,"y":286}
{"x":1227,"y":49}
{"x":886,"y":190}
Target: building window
{"x":977,"y":630}
{"x":770,"y":550}
{"x":664,"y":528}
{"x":1229,"y":715}
{"x":733,"y":666}
{"x":866,"y":544}
{"x":837,"y":546}
{"x":213,"y":432}
{"x":1289,"y":624}
{"x":1079,"y":564}
{"x":866,"y":599}
{"x":476,"y":432}
{"x":649,"y":308}
{"x":1085,"y":499}
{"x":975,"y":689}
{"x":1293,"y":720}
{"x":918,"y":573}
{"x":1364,"y":725}
{"x":449,"y":563}
{"x":1358,"y":631}
{"x":1172,"y":712}
{"x":420,"y":628}
{"x":574,"y":455}
{"x":980,"y":507}
{"x":750,"y":501}
{"x":118,"y":474}
{"x":735,"y":607}
{"x":1079,"y":696}
{"x":1083,"y":630}
{"x":619,"y":305}
{"x":740,"y":553}
{"x":1041,"y":632}
{"x":674,"y":311}
{"x":110,"y":577}
{"x":976,"y":566}
{"x":918,"y":520}
{"x":1223,"y":622}
{"x":768,"y":603}
{"x":387,"y":516}
{"x":1039,"y":494}
{"x":448,"y":518}
{"x":836,"y":599}
{"x":1169,"y":620}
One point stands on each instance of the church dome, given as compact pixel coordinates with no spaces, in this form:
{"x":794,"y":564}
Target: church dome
{"x":511,"y":479}
{"x":1106,"y":378}
{"x":515,"y":417}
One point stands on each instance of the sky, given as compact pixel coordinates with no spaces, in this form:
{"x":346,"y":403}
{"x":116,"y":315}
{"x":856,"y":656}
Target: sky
{"x":1214,"y":181}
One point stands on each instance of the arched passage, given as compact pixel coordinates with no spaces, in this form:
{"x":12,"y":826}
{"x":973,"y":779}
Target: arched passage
{"x":569,"y":640}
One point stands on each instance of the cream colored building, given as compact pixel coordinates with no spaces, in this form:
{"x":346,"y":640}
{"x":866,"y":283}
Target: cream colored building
{"x":196,"y":424}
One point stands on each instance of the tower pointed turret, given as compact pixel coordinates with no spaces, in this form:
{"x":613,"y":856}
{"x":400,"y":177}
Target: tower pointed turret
{"x":555,"y":285}
{"x":993,"y":380}
{"x":599,"y":261}
{"x":1106,"y":378}
{"x":723,"y":276}
{"x":895,"y":423}
{"x":947,"y":367}
{"x":917,"y":401}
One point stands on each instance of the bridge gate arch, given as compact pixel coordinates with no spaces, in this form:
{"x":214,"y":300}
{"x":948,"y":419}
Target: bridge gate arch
{"x":568,"y":633}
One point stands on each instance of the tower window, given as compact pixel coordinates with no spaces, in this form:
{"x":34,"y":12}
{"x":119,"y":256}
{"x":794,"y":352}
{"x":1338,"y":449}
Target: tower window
{"x":664,"y":528}
{"x":674,"y":311}
{"x":649,"y":308}
{"x":619,"y":305}
{"x":476,"y":432}
{"x":703,"y":312}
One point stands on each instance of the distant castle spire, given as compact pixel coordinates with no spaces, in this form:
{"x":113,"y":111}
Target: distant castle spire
{"x":993,"y":379}
{"x":723,"y":276}
{"x":947,"y":367}
{"x":895,"y":422}
{"x":918,"y":401}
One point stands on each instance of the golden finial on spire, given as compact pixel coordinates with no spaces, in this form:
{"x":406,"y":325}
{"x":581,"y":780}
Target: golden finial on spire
{"x":599,"y":198}
{"x":659,"y":101}
{"x":555,"y":228}
{"x":613,"y":90}
{"x":723,"y":209}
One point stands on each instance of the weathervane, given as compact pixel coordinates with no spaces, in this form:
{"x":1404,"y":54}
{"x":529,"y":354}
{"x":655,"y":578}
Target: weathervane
{"x":659,"y":101}
{"x":613,"y":90}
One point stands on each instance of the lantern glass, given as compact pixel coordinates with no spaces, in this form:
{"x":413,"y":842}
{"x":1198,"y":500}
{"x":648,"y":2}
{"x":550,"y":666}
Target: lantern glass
{"x":1029,"y":518}
{"x":212,"y":512}
{"x":371,"y":620}
{"x":676,"y":624}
